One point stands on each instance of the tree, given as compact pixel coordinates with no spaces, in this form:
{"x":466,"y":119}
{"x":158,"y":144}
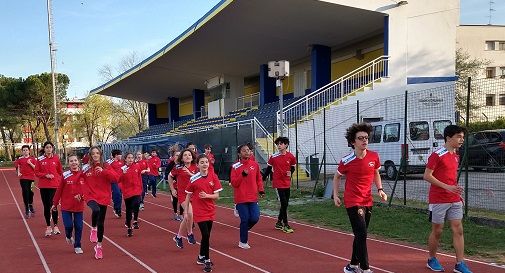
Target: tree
{"x":134,"y":113}
{"x":466,"y":67}
{"x":97,"y":119}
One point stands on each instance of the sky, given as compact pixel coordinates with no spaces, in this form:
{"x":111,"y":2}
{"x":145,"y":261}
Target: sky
{"x":92,"y":33}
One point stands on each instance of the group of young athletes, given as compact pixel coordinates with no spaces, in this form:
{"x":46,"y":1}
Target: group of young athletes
{"x":194,"y":187}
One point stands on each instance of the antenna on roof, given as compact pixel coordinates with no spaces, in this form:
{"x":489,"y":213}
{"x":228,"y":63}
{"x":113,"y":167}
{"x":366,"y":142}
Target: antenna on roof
{"x":491,"y":10}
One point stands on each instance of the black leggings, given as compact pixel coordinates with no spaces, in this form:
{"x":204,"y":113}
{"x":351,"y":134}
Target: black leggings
{"x":26,"y":191}
{"x":132,"y":207}
{"x":175,"y":201}
{"x":360,"y":218}
{"x":284,"y":199}
{"x":98,"y":217}
{"x":205,"y":228}
{"x":46,"y":195}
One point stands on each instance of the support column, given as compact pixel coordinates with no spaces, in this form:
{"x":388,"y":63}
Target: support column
{"x":173,"y":109}
{"x":198,"y":102}
{"x":321,"y":66}
{"x":267,"y":86}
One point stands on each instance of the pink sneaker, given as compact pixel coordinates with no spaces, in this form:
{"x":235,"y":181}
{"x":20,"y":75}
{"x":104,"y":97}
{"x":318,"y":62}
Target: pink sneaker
{"x":98,"y":252}
{"x":93,"y":237}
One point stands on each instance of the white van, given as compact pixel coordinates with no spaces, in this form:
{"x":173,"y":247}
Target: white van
{"x":424,"y":136}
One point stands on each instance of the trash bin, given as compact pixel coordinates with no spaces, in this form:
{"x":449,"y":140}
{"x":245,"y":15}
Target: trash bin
{"x":313,"y":163}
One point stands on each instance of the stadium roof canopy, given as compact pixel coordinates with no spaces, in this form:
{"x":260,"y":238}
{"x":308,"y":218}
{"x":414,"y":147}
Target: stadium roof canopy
{"x":235,"y":38}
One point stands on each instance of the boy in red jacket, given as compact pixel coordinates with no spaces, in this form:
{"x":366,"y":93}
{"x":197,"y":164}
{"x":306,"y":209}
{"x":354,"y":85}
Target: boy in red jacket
{"x":25,"y":167}
{"x":71,"y":194}
{"x":48,"y":169}
{"x":247,"y":184}
{"x":116,"y":163}
{"x":144,"y":166}
{"x":154,"y":165}
{"x":282,"y":164}
{"x":97,"y":191}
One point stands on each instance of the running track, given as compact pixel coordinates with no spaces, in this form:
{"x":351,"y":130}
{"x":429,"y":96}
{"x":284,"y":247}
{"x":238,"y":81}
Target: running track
{"x":151,"y":249}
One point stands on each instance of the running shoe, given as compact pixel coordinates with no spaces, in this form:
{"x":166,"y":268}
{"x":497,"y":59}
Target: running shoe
{"x":208,"y":266}
{"x":191,"y":239}
{"x":78,"y":250}
{"x":117,"y":214}
{"x":367,"y":271}
{"x":30,"y":207}
{"x":49,"y":231}
{"x":244,"y":245}
{"x":141,"y":207}
{"x":98,"y":252}
{"x":461,"y":267}
{"x":28,"y":214}
{"x":235,"y":211}
{"x":135,"y":225}
{"x":56,"y":230}
{"x":200,"y":260}
{"x":279,"y":225}
{"x":70,"y":240}
{"x":129,"y":232}
{"x":434,"y":265}
{"x":178,"y":242}
{"x":93,"y":236}
{"x":351,"y":269}
{"x":287,"y":229}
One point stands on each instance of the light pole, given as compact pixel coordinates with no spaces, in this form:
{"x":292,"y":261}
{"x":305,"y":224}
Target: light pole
{"x":52,"y":55}
{"x":279,"y":70}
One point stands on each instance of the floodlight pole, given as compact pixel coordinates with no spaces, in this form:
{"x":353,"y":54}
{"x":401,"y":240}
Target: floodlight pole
{"x":53,"y":79}
{"x":281,"y":105}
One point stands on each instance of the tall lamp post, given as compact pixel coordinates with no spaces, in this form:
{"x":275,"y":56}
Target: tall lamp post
{"x":279,"y":70}
{"x":52,"y":55}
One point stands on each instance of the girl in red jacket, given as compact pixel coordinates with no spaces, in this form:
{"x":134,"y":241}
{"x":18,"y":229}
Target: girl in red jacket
{"x":98,"y":177}
{"x":247,"y":184}
{"x":206,"y":187}
{"x":25,"y":167}
{"x":131,"y":186}
{"x":71,"y":192}
{"x":48,"y":169}
{"x":182,"y":174}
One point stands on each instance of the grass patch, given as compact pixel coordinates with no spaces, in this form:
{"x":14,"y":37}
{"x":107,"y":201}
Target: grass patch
{"x":390,"y":223}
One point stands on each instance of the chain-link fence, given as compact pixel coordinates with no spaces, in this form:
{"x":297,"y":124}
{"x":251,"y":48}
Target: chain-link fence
{"x":407,"y":128}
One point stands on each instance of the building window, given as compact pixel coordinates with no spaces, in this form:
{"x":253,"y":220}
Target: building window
{"x":490,"y":99}
{"x":501,"y":45}
{"x":490,"y":45}
{"x":502,"y":99}
{"x":490,"y":72}
{"x":502,"y":72}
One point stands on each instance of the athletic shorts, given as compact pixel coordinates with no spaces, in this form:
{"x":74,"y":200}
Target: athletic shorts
{"x":439,"y":213}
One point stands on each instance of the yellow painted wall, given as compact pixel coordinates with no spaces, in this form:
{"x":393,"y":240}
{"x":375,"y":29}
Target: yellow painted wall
{"x":288,"y":86}
{"x":206,"y":100}
{"x":185,"y":106}
{"x":162,"y":110}
{"x":339,"y":69}
{"x":251,"y":89}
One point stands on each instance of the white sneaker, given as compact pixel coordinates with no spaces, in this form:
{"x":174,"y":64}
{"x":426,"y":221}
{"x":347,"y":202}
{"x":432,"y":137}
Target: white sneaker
{"x":49,"y":231}
{"x":235,"y":211}
{"x":244,"y":245}
{"x":70,"y":240}
{"x":78,"y":250}
{"x":56,"y":230}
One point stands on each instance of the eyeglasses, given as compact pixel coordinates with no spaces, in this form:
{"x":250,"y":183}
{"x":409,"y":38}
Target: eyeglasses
{"x":362,"y":138}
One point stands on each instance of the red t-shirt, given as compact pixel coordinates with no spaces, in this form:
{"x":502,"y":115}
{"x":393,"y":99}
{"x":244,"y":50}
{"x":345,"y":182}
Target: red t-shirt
{"x":49,"y":165}
{"x":445,"y":168}
{"x":26,"y":170}
{"x":130,"y":180}
{"x":359,"y":176}
{"x":204,"y":209}
{"x":281,"y":164}
{"x":180,"y":175}
{"x":246,"y":188}
{"x":154,"y":164}
{"x":71,"y":185}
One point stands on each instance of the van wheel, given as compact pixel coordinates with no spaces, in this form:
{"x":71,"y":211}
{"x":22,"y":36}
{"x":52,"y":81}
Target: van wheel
{"x":391,"y":171}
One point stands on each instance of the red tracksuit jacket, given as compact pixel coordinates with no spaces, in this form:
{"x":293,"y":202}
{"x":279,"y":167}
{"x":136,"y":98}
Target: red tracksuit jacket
{"x":97,"y":184}
{"x":48,"y":165}
{"x":71,"y":185}
{"x":246,"y":188}
{"x":130,"y":180}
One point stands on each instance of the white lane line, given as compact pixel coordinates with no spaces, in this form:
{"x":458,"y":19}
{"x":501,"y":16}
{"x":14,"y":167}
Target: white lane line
{"x":213,"y":249}
{"x":282,"y":241}
{"x":126,"y":252}
{"x":42,"y":259}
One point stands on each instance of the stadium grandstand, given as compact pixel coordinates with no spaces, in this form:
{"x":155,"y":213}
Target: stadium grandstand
{"x":211,"y":84}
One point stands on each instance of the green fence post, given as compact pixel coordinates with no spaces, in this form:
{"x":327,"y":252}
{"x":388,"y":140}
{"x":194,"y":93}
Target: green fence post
{"x":467,"y":122}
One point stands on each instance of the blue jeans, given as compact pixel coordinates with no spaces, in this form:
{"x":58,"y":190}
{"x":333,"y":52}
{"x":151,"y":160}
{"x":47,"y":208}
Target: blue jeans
{"x":152,"y":181}
{"x":71,"y":221}
{"x":117,"y":197}
{"x":249,"y":215}
{"x":145,"y":180}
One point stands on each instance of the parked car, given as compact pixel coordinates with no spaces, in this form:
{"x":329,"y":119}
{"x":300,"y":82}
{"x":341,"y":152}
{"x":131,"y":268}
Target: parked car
{"x":486,"y":150}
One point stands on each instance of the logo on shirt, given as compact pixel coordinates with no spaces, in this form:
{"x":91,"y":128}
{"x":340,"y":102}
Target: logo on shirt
{"x":211,"y":183}
{"x":371,"y":164}
{"x":124,"y":168}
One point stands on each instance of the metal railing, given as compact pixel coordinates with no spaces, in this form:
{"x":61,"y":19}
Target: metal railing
{"x":352,"y":81}
{"x":248,"y":101}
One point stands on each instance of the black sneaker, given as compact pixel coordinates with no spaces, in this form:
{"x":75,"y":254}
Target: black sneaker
{"x":136,"y":225}
{"x":279,"y":225}
{"x":199,"y":260}
{"x":28,"y":214}
{"x":191,"y":239}
{"x":129,"y":232}
{"x":178,"y":242}
{"x":208,"y":266}
{"x":30,"y":207}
